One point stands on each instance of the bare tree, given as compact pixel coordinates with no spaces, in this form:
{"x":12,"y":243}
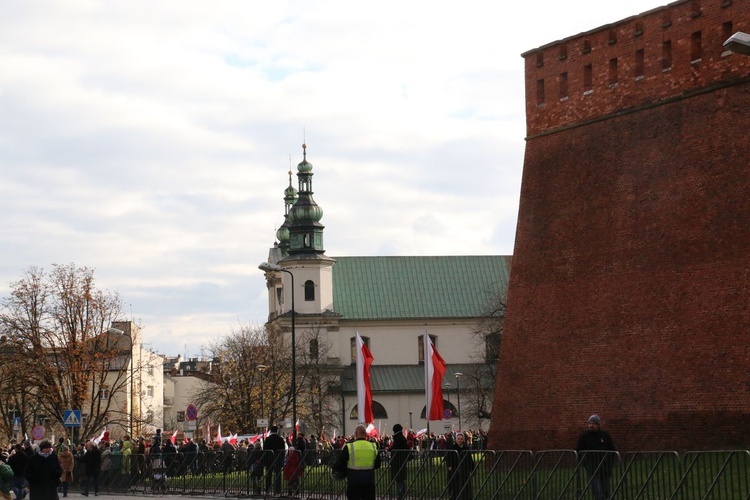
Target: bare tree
{"x":487,"y":336}
{"x":316,"y":380}
{"x":58,"y":324}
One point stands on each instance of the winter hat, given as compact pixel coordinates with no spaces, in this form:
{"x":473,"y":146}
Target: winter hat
{"x":397,"y":428}
{"x":594,"y":419}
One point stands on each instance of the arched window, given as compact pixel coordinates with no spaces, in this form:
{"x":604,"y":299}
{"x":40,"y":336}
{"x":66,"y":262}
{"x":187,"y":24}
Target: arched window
{"x":377,"y":411}
{"x":420,"y":346}
{"x":309,"y":290}
{"x":449,"y":411}
{"x":314,"y":349}
{"x":353,"y":343}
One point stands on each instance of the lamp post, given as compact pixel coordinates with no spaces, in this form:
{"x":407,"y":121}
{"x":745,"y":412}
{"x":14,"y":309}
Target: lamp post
{"x":739,"y":43}
{"x":261,"y":369}
{"x":448,"y":394}
{"x":458,"y":394}
{"x":265,"y":266}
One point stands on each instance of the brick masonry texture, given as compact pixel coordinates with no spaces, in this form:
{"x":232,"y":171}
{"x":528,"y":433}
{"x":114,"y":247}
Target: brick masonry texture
{"x":629,"y":294}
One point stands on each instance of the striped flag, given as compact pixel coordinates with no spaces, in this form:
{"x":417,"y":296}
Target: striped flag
{"x":434,"y":370}
{"x":364,"y":394}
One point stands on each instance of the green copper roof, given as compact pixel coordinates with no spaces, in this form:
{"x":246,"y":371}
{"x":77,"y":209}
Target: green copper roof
{"x":378,"y":288}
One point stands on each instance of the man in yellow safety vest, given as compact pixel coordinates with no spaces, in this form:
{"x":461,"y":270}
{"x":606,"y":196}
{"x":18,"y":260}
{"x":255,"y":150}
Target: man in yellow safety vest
{"x":360,"y":458}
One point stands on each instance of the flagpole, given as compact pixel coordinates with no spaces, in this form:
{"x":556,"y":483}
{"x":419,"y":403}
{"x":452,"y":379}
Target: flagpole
{"x":427,"y":381}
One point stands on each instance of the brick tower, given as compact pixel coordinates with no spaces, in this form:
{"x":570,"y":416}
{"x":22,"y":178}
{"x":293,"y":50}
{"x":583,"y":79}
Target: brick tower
{"x":630,"y":290}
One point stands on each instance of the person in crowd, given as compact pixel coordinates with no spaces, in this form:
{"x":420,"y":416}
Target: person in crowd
{"x":596,"y":451}
{"x":6,"y":477}
{"x":227,"y":451}
{"x":460,"y":468}
{"x":92,"y":467}
{"x":293,"y":467}
{"x":274,"y":459}
{"x":106,"y":451}
{"x":359,"y":458}
{"x":17,"y":461}
{"x":67,"y":463}
{"x":255,"y":463}
{"x":43,"y":473}
{"x":399,"y":457}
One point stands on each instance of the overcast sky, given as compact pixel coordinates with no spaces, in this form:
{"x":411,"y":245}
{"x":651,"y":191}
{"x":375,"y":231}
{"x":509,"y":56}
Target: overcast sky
{"x":151,"y":140}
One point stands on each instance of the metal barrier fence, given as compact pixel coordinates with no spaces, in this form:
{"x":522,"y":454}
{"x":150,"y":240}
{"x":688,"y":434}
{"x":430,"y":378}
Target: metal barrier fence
{"x":490,"y":475}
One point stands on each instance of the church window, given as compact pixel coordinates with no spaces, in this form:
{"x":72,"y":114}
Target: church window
{"x":420,"y":346}
{"x":314,"y":349}
{"x":378,"y":411}
{"x":309,"y":290}
{"x":353,"y":341}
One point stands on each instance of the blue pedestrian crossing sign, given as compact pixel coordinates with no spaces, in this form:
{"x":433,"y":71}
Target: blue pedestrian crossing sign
{"x":72,"y":418}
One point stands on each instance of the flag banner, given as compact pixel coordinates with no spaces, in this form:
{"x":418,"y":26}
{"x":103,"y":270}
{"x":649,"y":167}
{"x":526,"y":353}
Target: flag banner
{"x":434,"y":370}
{"x":218,"y":436}
{"x":364,"y":394}
{"x":174,"y":437}
{"x":372,"y":431}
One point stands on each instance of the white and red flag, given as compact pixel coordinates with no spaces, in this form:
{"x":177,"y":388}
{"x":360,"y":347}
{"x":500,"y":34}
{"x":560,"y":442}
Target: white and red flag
{"x":364,"y":394}
{"x":434,"y":370}
{"x":218,"y":436}
{"x":174,"y":437}
{"x":372,"y":431}
{"x":233,"y":438}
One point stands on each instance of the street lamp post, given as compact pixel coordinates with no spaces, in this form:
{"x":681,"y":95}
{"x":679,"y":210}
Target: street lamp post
{"x":448,"y":394}
{"x":261,"y":369}
{"x":458,"y":394}
{"x":265,"y":266}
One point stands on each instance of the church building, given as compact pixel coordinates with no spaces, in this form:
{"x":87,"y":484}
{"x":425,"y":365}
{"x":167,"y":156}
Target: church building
{"x":392,"y":302}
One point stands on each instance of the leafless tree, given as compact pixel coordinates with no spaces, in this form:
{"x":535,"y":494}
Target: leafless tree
{"x":478,"y":385}
{"x":57,"y":326}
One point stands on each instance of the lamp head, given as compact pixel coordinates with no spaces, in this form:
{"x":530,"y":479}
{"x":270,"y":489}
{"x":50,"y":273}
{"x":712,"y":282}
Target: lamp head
{"x":739,"y":43}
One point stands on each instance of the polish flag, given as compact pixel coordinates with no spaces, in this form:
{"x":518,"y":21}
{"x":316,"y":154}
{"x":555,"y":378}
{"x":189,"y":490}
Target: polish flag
{"x":232,"y":439}
{"x":434,"y":370}
{"x":101,"y":436}
{"x":372,"y":431}
{"x":208,"y":429}
{"x":174,"y":437}
{"x":364,"y":394}
{"x":218,"y":436}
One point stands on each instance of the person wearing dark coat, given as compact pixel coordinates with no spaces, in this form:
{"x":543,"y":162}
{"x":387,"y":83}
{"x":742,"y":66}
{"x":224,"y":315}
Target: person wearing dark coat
{"x":43,"y":473}
{"x":92,"y":462}
{"x":399,"y":457}
{"x":274,"y":447}
{"x":460,"y":468}
{"x":596,"y":451}
{"x":17,"y":462}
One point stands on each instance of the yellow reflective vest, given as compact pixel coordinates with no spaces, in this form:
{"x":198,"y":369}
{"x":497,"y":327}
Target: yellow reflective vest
{"x":362,"y":454}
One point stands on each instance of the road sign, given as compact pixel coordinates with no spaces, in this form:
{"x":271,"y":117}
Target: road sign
{"x":262,"y":422}
{"x":191,"y":412}
{"x":37,"y":432}
{"x":72,"y":418}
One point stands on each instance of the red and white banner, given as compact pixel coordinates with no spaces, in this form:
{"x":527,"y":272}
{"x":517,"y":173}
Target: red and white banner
{"x":434,"y":370}
{"x":364,"y":394}
{"x":174,"y":437}
{"x":372,"y":431}
{"x":218,"y":436}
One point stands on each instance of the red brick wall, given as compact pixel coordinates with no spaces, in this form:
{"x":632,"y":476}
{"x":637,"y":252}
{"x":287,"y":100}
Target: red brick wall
{"x":630,"y":289}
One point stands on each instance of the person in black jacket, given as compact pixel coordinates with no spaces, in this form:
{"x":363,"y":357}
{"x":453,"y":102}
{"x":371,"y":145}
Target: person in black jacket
{"x":43,"y":472}
{"x":460,"y":468}
{"x":399,"y":457}
{"x":92,"y":462}
{"x":274,"y":447}
{"x":596,"y":451}
{"x":17,"y":462}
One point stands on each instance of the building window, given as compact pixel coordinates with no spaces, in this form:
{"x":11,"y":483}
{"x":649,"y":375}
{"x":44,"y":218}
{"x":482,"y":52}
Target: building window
{"x":666,"y":55}
{"x":727,"y":30}
{"x":540,"y":92}
{"x":612,"y":37}
{"x":638,"y":28}
{"x":695,"y":8}
{"x":696,"y":47}
{"x":586,"y":46}
{"x":353,"y":341}
{"x":588,"y":79}
{"x":563,"y":83}
{"x":150,"y":391}
{"x":613,"y":71}
{"x":314,"y":349}
{"x":150,"y":370}
{"x":180,"y":416}
{"x":104,"y":392}
{"x":639,"y":64}
{"x":378,"y":411}
{"x":420,"y":346}
{"x":539,"y":59}
{"x":666,"y":19}
{"x":563,"y":52}
{"x":309,"y":290}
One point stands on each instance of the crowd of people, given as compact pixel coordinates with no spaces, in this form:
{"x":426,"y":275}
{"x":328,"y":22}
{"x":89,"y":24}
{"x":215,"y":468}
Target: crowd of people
{"x":45,"y":470}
